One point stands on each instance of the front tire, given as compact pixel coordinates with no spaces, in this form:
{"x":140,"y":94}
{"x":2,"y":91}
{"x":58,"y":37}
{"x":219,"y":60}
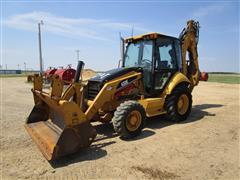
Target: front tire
{"x":129,"y":119}
{"x":179,"y":104}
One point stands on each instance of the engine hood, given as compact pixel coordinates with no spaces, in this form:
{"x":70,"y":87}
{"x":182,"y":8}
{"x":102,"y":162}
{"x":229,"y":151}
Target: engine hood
{"x":113,"y":73}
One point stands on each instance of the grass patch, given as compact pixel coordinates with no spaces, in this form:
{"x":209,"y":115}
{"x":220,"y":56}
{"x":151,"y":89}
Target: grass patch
{"x":225,"y":78}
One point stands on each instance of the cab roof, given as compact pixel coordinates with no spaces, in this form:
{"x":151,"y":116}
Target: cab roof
{"x":150,"y":35}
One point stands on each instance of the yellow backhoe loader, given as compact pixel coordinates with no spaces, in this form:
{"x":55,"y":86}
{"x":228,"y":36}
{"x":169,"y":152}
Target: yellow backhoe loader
{"x":155,"y":78}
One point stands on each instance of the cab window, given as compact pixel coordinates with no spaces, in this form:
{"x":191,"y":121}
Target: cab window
{"x":166,"y":58}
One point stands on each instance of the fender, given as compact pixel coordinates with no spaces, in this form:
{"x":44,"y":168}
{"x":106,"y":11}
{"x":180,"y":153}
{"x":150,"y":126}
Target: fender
{"x":176,"y":80}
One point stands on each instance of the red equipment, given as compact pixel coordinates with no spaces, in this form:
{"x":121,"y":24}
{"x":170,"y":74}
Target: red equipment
{"x":67,"y":74}
{"x":203,"y":76}
{"x":50,"y":71}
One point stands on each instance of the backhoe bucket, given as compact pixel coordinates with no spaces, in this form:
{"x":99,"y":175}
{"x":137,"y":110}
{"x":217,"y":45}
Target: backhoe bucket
{"x":58,"y":128}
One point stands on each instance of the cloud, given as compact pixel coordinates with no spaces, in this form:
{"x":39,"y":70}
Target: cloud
{"x":207,"y":10}
{"x":99,"y":29}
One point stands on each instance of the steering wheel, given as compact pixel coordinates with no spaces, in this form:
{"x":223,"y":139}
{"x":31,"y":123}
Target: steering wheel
{"x":146,"y":60}
{"x":146,"y":63}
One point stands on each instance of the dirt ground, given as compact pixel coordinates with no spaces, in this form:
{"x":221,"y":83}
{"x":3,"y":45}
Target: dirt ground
{"x":206,"y":146}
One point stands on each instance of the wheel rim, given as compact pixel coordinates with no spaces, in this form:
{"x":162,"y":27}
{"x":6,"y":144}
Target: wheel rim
{"x":134,"y":120}
{"x":183,"y":103}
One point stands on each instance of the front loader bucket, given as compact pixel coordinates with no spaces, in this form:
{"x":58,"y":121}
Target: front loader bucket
{"x":57,"y":129}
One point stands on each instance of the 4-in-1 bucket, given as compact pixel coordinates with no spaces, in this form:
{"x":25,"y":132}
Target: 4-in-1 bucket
{"x":58,"y":130}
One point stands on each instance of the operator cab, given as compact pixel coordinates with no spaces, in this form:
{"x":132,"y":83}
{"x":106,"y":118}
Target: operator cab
{"x":158,"y":55}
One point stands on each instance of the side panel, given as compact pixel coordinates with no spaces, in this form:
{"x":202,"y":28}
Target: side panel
{"x":153,"y":106}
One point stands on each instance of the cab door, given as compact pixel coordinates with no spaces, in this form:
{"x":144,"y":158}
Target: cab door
{"x":165,"y":62}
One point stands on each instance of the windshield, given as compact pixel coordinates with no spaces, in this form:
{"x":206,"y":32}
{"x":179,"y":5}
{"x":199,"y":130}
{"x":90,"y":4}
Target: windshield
{"x":139,"y":54}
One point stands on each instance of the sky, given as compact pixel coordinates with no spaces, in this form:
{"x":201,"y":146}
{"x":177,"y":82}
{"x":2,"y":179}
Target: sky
{"x":93,"y":28}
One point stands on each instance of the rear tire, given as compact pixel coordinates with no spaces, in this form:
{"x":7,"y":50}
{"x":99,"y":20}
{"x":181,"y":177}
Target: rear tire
{"x":129,"y":119}
{"x":179,"y":104}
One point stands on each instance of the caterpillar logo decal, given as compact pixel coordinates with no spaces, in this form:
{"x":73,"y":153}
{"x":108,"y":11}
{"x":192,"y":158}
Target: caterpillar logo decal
{"x":125,"y":82}
{"x":104,"y":75}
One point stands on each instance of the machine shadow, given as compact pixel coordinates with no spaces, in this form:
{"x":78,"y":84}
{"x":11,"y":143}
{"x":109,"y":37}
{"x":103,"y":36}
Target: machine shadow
{"x":106,"y":131}
{"x":198,"y":113}
{"x":93,"y":152}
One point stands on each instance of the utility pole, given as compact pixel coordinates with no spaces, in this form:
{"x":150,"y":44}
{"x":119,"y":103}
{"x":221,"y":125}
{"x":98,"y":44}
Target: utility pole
{"x":6,"y":66}
{"x":25,"y":67}
{"x":132,"y":30}
{"x":40,"y":47}
{"x":78,"y":51}
{"x":18,"y":67}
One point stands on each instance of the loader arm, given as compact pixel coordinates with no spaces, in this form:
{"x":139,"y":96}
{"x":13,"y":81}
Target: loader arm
{"x":189,"y":40}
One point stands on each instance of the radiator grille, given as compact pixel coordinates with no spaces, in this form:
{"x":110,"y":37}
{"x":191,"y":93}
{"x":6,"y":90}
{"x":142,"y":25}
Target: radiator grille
{"x":93,"y":89}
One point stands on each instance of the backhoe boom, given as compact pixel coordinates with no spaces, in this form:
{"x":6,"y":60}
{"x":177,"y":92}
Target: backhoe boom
{"x":189,"y":39}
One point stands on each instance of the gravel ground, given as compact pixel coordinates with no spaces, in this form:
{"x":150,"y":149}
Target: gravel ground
{"x":206,"y":146}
